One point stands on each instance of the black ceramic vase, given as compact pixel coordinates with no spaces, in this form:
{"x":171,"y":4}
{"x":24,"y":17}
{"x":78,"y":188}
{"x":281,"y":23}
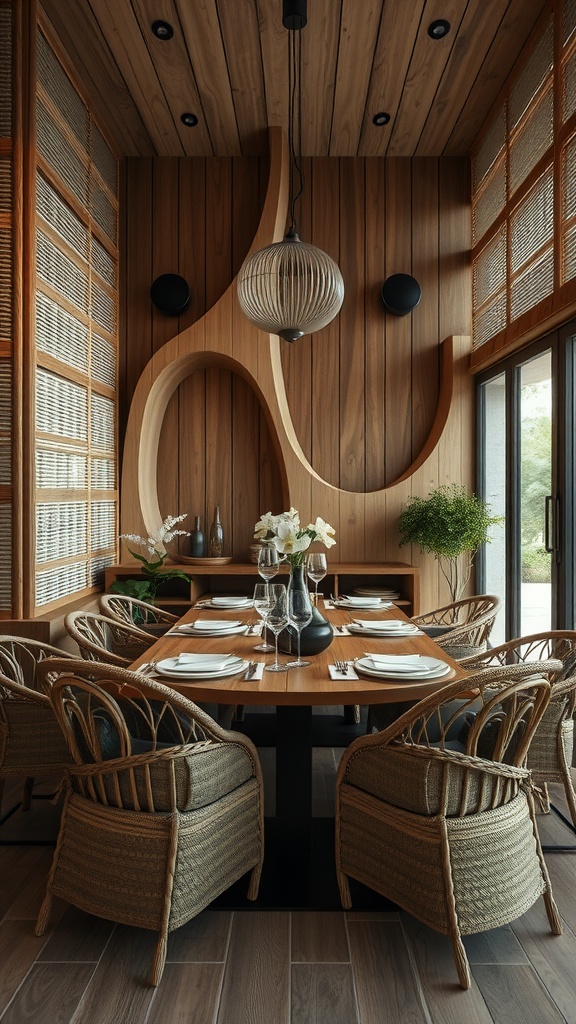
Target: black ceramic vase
{"x":316,"y":636}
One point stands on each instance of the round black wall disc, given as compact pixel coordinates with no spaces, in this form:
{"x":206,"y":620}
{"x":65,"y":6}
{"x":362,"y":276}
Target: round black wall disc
{"x":400,"y":294}
{"x":170,"y":293}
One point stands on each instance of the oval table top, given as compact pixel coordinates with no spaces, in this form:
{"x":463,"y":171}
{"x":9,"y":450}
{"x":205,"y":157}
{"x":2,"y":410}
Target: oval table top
{"x":307,"y":686}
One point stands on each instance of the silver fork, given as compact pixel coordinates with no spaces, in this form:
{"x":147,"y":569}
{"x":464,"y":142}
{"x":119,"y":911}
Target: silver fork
{"x":342,"y":666}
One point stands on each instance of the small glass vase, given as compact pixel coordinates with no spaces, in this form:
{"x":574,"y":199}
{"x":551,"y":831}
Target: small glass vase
{"x":317,"y":635}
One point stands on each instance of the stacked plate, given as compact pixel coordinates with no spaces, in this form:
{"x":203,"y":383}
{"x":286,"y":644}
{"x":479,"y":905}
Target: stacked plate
{"x":231,"y":602}
{"x":347,"y":601}
{"x":201,"y":666}
{"x":212,"y":627}
{"x":383,"y":627}
{"x":401,"y":666}
{"x":385,"y":592}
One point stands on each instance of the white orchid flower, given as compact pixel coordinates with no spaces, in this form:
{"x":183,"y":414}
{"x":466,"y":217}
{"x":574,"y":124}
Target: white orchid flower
{"x":323,"y":532}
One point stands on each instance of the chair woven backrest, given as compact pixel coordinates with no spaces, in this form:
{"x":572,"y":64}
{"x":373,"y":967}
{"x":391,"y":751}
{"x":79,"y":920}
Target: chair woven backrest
{"x":102,"y":639}
{"x":134,"y":612}
{"x":126,"y":733}
{"x":19,"y":658}
{"x":468,"y":623}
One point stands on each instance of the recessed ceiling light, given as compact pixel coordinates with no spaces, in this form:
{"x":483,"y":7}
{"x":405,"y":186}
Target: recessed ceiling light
{"x":439,"y":28}
{"x":381,"y":118}
{"x":162,"y":30}
{"x":190,"y":120}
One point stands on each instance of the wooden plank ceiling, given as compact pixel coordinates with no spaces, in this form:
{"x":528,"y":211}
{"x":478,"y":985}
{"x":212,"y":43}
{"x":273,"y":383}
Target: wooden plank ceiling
{"x":227,"y":64}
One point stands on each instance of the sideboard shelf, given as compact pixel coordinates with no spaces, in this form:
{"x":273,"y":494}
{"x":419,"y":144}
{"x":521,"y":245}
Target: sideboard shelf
{"x":239,"y":577}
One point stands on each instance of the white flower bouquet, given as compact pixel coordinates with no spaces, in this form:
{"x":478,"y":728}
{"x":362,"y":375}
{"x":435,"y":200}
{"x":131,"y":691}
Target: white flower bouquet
{"x":290,"y":539}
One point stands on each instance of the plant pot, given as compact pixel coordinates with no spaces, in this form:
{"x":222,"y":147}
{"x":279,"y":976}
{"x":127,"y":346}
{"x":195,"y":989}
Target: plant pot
{"x":316,"y":636}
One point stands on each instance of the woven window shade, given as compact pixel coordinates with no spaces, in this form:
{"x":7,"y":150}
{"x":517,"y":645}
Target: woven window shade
{"x":532,"y":77}
{"x":5,"y":556}
{"x":532,"y":141}
{"x":491,"y":146}
{"x":568,"y":20}
{"x":530,"y":287}
{"x":5,"y":395}
{"x":490,"y":202}
{"x":489,"y":270}
{"x":569,"y":180}
{"x":532,"y":223}
{"x":96,"y":569}
{"x":5,"y":461}
{"x":60,"y":334}
{"x":104,"y":159}
{"x":54,"y":584}
{"x":61,"y":529}
{"x":60,"y":272}
{"x":60,"y":217}
{"x":103,"y":211}
{"x":487,"y":323}
{"x":5,"y":184}
{"x":6,"y":286}
{"x":102,"y":427}
{"x":61,"y":406}
{"x":103,"y":474}
{"x":5,"y":72}
{"x":103,"y":361}
{"x":569,"y":87}
{"x":61,"y":469}
{"x":568,"y":269}
{"x":103,"y":529}
{"x":103,"y":263}
{"x":103,"y":309}
{"x":59,"y":88}
{"x":61,"y":156}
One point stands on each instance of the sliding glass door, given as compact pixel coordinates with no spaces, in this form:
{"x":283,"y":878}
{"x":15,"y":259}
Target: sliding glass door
{"x":526,"y":450}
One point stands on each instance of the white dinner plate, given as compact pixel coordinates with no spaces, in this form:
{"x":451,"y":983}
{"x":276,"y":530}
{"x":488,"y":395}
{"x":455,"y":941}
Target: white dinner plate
{"x":167,"y":668}
{"x":235,"y":631}
{"x":381,"y":631}
{"x":230,"y":603}
{"x":391,"y":595}
{"x":433,"y":668}
{"x":373,"y":604}
{"x":208,"y":626}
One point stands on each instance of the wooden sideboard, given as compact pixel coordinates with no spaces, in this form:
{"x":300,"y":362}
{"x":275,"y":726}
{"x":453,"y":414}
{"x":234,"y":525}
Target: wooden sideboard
{"x":237,"y":577}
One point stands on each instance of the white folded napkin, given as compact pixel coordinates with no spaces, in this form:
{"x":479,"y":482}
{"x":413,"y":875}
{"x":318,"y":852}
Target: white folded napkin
{"x":230,"y":602}
{"x":201,"y":662}
{"x":258,"y":672}
{"x":389,"y":624}
{"x":335,"y":674}
{"x":364,"y":602}
{"x":212,"y":624}
{"x":414,"y":660}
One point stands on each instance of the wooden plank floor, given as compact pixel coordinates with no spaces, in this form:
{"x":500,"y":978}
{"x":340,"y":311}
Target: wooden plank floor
{"x":276,"y":967}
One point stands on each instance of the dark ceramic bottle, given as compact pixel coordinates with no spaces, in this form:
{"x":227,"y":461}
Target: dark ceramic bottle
{"x":197,"y":540}
{"x":316,"y":636}
{"x":216,"y":536}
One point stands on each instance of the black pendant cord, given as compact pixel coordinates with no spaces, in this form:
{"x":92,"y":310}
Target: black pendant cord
{"x":295,"y":121}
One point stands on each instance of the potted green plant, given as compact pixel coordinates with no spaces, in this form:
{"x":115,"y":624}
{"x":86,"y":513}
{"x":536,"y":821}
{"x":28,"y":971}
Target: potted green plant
{"x":451,"y":523}
{"x":153,"y":571}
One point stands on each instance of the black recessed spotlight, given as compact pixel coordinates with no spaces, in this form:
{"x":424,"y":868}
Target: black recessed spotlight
{"x":162,"y":30}
{"x":190,"y":120}
{"x":381,"y":118}
{"x":439,"y":28}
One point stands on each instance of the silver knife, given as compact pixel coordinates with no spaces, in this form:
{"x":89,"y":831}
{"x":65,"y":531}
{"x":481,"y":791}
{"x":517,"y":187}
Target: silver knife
{"x":251,"y":670}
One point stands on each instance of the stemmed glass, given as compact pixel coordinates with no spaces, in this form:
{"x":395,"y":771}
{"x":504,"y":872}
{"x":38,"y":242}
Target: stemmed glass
{"x":263,"y":604}
{"x":316,"y":567}
{"x":299,"y":614}
{"x":268,"y":562}
{"x":277,"y":620}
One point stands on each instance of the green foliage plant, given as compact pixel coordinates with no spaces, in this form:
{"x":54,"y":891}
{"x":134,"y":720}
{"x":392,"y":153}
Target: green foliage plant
{"x":451,"y":523}
{"x":153,"y":572}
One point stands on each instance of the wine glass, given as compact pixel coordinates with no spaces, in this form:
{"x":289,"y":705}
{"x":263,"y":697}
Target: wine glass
{"x":299,"y":614}
{"x":268,"y":562}
{"x":263,"y":604}
{"x":277,"y":620}
{"x":316,"y":567}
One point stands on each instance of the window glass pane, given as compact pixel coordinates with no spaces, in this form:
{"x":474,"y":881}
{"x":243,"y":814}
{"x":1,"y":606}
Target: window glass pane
{"x":535,"y":483}
{"x":494,"y":492}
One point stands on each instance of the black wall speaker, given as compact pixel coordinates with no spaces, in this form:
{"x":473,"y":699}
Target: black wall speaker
{"x":170,"y":293}
{"x":401,"y":294}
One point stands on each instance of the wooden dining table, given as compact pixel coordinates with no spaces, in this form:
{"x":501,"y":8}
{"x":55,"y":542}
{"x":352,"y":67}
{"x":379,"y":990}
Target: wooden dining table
{"x":295,"y":692}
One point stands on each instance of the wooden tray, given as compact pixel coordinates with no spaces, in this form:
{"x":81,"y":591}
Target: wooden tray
{"x":188,"y":560}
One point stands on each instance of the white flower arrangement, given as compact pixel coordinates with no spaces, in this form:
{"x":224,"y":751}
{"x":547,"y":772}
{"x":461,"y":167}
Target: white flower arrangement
{"x":290,"y":539}
{"x":155,"y":544}
{"x":152,"y":568}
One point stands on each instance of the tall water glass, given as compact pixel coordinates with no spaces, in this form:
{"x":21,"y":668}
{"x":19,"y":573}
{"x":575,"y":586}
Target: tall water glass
{"x":277,"y":620}
{"x":316,"y":568}
{"x":263,"y":604}
{"x":299,"y":614}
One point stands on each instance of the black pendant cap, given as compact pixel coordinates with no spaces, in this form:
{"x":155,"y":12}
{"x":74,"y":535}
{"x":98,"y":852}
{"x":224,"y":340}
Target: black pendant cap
{"x":401,"y":293}
{"x":170,"y":293}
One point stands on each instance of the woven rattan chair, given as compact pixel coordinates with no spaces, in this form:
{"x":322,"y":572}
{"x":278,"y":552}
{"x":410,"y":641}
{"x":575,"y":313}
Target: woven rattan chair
{"x":437,"y":813}
{"x":463,"y":627}
{"x":163,"y":810}
{"x":551,"y":751}
{"x":31,"y":741}
{"x":102,"y":639}
{"x":145,"y":616}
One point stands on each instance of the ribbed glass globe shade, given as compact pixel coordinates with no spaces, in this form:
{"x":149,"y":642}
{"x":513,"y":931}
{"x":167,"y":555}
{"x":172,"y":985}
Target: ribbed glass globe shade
{"x":290,"y":288}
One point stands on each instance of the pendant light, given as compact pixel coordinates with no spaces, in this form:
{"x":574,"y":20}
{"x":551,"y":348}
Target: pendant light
{"x":291,"y":288}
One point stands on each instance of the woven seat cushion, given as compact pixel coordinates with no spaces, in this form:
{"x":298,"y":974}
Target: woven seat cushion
{"x":410,"y":778}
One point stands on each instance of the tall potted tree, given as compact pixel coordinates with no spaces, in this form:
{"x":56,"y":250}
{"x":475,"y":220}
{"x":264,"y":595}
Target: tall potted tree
{"x":452,"y":524}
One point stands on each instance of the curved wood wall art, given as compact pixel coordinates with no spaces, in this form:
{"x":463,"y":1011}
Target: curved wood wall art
{"x":365,"y":522}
